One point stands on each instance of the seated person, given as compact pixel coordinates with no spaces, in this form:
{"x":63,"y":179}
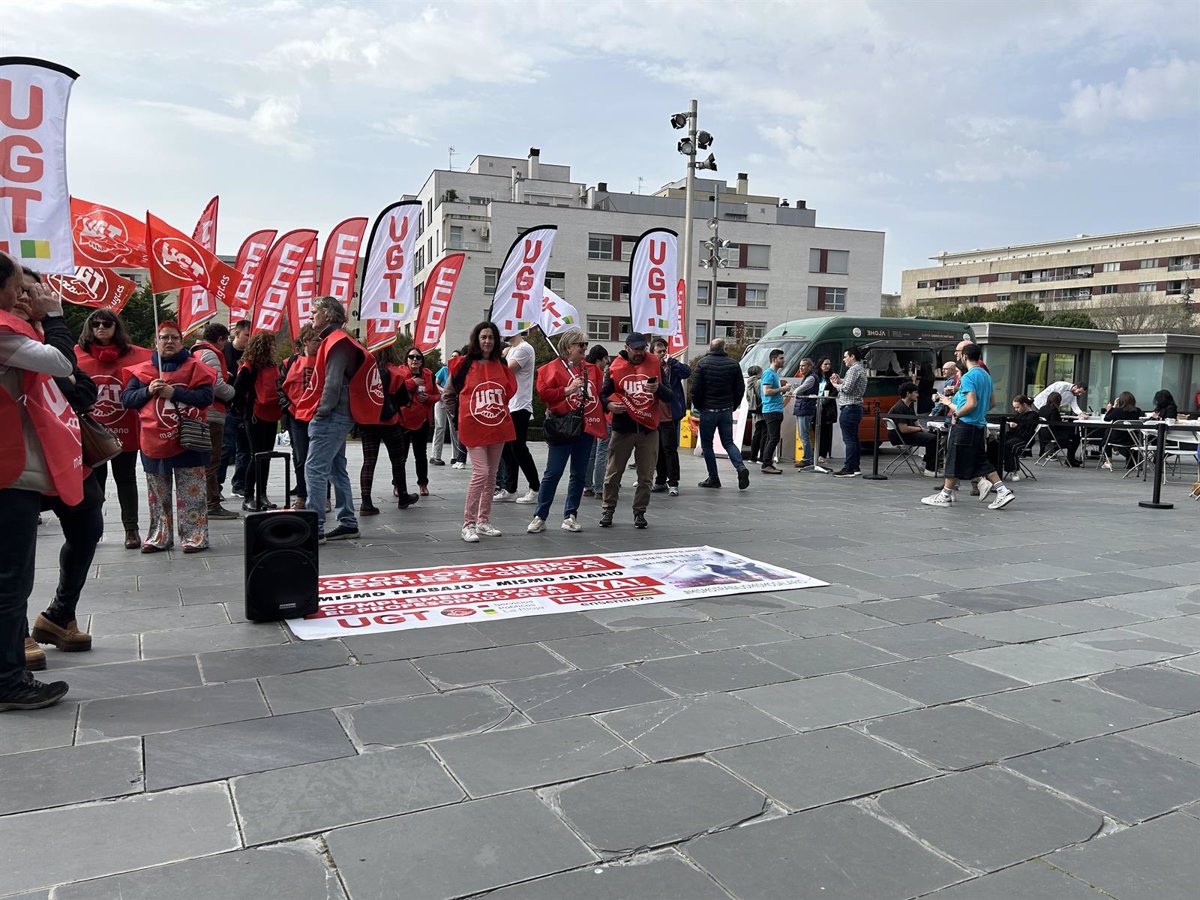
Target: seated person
{"x":908,"y":431}
{"x":1022,"y":425}
{"x":1066,"y":435}
{"x":1164,"y":406}
{"x":1125,"y":409}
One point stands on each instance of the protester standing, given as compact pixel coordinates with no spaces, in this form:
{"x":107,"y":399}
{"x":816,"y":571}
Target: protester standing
{"x":598,"y":457}
{"x":416,"y":417}
{"x":295,"y":377}
{"x":675,"y":373}
{"x":443,"y":425}
{"x":256,"y":397}
{"x":717,"y":388}
{"x":804,"y":409}
{"x":758,"y":429}
{"x":236,"y":448}
{"x":210,"y":350}
{"x":519,"y":357}
{"x":389,"y":433}
{"x":850,"y":393}
{"x":828,"y":408}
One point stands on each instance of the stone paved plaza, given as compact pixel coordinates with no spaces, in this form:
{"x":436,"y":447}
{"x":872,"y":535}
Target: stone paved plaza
{"x":981,"y":706}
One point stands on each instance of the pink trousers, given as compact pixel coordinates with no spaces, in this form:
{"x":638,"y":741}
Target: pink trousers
{"x":484,"y":463}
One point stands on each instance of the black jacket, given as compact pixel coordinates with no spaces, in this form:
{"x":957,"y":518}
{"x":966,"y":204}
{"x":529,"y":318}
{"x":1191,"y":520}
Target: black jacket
{"x":717,"y":382}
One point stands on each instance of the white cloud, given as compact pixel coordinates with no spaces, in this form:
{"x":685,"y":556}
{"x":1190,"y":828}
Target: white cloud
{"x":1169,"y":90}
{"x":271,"y":123}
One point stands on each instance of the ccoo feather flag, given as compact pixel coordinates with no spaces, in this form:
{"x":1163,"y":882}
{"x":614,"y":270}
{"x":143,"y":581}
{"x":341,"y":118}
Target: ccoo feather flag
{"x":339,"y":266}
{"x":196,"y":305}
{"x":653,"y":281}
{"x":278,"y":277}
{"x":303,"y":293}
{"x":678,"y":341}
{"x":517,"y":304}
{"x":435,"y":302}
{"x":249,"y":262}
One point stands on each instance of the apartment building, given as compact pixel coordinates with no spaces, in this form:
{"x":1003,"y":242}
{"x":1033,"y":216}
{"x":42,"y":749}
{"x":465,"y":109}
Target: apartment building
{"x":1085,"y":271}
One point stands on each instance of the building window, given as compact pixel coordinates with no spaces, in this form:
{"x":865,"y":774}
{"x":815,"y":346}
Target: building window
{"x":623,"y":329}
{"x":924,"y":285}
{"x":702,"y":289}
{"x":480,"y":201}
{"x":624,"y":287}
{"x":419,"y":259}
{"x":599,"y":328}
{"x":1003,"y":298}
{"x":600,"y":246}
{"x":557,"y":282}
{"x":732,"y":255}
{"x":599,"y":287}
{"x":727,"y":295}
{"x":755,"y":330}
{"x":832,"y":262}
{"x":1110,"y":288}
{"x":701,"y":331}
{"x":421,"y":220}
{"x":1004,"y":276}
{"x":1148,"y":287}
{"x":827,"y":298}
{"x":758,"y":256}
{"x":756,"y":295}
{"x":1148,"y":264}
{"x":627,"y":245}
{"x":972,"y":279}
{"x":456,"y":237}
{"x":489,"y":280}
{"x":1112,"y":267}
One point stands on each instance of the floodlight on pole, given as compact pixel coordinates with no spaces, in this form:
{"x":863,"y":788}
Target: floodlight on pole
{"x":686,"y":147}
{"x":703,"y":140}
{"x":710,"y":163}
{"x":680,"y":120}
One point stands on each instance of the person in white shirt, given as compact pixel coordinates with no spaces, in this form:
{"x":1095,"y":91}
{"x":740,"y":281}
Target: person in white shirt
{"x":1069,"y":392}
{"x":520,"y":358}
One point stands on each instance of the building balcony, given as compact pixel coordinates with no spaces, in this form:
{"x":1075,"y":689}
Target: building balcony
{"x":470,"y":246}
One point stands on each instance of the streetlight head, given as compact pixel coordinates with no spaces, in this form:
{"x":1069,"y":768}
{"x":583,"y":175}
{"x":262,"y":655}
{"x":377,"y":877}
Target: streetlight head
{"x":712,"y":223}
{"x":686,"y":147}
{"x":704,"y":263}
{"x":708,"y":245}
{"x":723,"y":263}
{"x":704,"y":140}
{"x":679,"y":120}
{"x":710,"y":163}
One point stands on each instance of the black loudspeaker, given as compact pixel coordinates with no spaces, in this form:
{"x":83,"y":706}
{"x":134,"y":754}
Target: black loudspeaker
{"x":282,"y":557}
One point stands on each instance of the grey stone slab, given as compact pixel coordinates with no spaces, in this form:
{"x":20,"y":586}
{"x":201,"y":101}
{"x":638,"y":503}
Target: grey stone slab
{"x":824,"y":701}
{"x":579,"y":693}
{"x":1019,"y":823}
{"x":369,"y":648}
{"x":976,"y":578}
{"x":170,"y":710}
{"x":726,"y":634}
{"x":692,"y":725}
{"x":1152,"y":861}
{"x":938,"y":679}
{"x":1187,"y":663}
{"x":216,"y":637}
{"x":1128,"y":781}
{"x":1115,"y":583}
{"x":823,"y":655}
{"x":1179,"y":630}
{"x":483,"y":666}
{"x":721,"y":670}
{"x":164,"y":619}
{"x":117,"y":836}
{"x":46,"y":778}
{"x":1084,"y":615}
{"x":921,"y":640}
{"x":1160,"y":686}
{"x":40,"y":729}
{"x":652,"y":616}
{"x":238,"y":748}
{"x":741,"y":605}
{"x":908,"y":611}
{"x":534,"y":629}
{"x":127,"y":678}
{"x":457,"y":850}
{"x":959,"y":737}
{"x":429,"y":718}
{"x":1038,"y":663}
{"x":1010,"y":627}
{"x":997,"y":599}
{"x":259,"y":662}
{"x":1126,"y":648}
{"x":662,"y":803}
{"x":1071,"y":710}
{"x":822,"y":853}
{"x":295,"y":871}
{"x":343,"y":686}
{"x":113,"y":649}
{"x":596,"y":651}
{"x":662,"y":875}
{"x":829,"y":620}
{"x":284,"y":803}
{"x":1033,"y":880}
{"x":1177,"y":737}
{"x":533,"y":756}
{"x":852,"y":765}
{"x":1157,"y":604}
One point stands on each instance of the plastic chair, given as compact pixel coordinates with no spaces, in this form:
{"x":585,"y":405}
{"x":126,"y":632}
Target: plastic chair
{"x":908,"y":452}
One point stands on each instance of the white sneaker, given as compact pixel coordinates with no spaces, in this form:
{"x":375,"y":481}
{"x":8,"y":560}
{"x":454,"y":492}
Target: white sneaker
{"x":487,"y":529}
{"x":673,"y":490}
{"x":1003,"y":497}
{"x":928,"y":474}
{"x":470,"y":535}
{"x":503,"y":496}
{"x":1106,"y":465}
{"x":1014,"y":476}
{"x":458,"y":465}
{"x":570,"y":523}
{"x":530,"y":496}
{"x":985,"y":488}
{"x":537,"y":526}
{"x":941,"y":498}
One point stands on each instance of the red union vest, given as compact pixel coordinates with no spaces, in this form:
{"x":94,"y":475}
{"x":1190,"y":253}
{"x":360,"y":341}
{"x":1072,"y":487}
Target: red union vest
{"x":417,"y":414}
{"x":629,"y":383}
{"x":296,"y":382}
{"x":222,"y":373}
{"x":366,"y":388}
{"x":110,"y":378}
{"x":266,"y":385}
{"x":483,"y":416}
{"x":159,"y":417}
{"x":53,"y":419}
{"x":554,"y":378}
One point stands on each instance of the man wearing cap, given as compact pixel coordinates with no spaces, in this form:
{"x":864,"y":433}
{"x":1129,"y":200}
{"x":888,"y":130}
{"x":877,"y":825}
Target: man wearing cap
{"x":633,"y":387}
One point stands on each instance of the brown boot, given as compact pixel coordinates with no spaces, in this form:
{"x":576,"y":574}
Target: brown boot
{"x":133,"y":540}
{"x":35,"y":656}
{"x":69,"y":639}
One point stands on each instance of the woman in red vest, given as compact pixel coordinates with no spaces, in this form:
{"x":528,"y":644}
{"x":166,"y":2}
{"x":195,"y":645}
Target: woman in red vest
{"x":387,"y":432}
{"x":477,"y":394}
{"x":295,"y":377}
{"x":104,"y":353}
{"x":417,"y":415}
{"x":170,"y":386}
{"x":256,"y":398}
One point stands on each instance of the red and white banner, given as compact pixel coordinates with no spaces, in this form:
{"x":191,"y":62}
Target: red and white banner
{"x":557,"y":314}
{"x":279,"y":274}
{"x":443,"y":595}
{"x":435,"y":302}
{"x":177,"y":261}
{"x":197,"y":306}
{"x":97,"y":288}
{"x":250,"y":258}
{"x":303,"y":293}
{"x":35,"y":220}
{"x":107,"y":237}
{"x":520,"y":286}
{"x":387,"y":288}
{"x":339,"y":265}
{"x":653,"y":279}
{"x":678,"y":342}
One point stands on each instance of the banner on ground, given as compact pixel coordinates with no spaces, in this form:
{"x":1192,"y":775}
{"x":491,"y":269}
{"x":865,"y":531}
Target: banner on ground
{"x":97,"y":288}
{"x":339,"y":266}
{"x":105,"y":237}
{"x":678,"y":341}
{"x":520,"y":286}
{"x":197,"y":307}
{"x":387,"y":288}
{"x":35,"y":210}
{"x":557,"y":314}
{"x":278,"y":277}
{"x":443,"y":595}
{"x":177,"y":261}
{"x":435,"y":302}
{"x":303,"y":293}
{"x":653,"y":281}
{"x":249,"y":262}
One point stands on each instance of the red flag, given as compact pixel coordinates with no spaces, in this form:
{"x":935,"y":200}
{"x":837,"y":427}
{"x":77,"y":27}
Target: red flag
{"x":279,"y":274}
{"x":107,"y":237}
{"x":435,"y":301}
{"x":177,"y":261}
{"x":249,"y":262}
{"x":339,"y":266}
{"x":97,"y":288}
{"x":679,"y":341}
{"x":303,"y":291}
{"x":380,"y":333}
{"x":196,"y":305}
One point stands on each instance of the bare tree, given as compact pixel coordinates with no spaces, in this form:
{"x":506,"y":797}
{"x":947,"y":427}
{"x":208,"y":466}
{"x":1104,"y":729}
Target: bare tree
{"x":1140,"y":313}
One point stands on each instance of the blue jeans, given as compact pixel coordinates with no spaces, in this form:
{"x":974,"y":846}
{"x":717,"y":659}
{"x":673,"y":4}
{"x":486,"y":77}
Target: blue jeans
{"x":327,"y":462}
{"x":598,"y":463}
{"x":556,"y":463}
{"x":804,"y":425}
{"x":848,"y":419}
{"x":722,"y":423}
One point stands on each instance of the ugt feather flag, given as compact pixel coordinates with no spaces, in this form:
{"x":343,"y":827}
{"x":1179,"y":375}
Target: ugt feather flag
{"x":557,"y":314}
{"x":387,"y":288}
{"x":653,"y":276}
{"x":520,"y":286}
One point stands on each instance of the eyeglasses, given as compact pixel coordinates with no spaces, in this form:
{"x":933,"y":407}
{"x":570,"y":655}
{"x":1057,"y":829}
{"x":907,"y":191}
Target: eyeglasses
{"x":414,"y":356}
{"x":100,"y":324}
{"x":583,"y":344}
{"x":170,"y":338}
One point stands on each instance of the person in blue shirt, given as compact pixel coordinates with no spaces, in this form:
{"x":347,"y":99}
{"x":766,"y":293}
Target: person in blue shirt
{"x":772,"y":409}
{"x":966,"y":449}
{"x":443,"y":426}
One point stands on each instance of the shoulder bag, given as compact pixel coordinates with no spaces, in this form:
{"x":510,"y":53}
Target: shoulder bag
{"x":566,"y":428}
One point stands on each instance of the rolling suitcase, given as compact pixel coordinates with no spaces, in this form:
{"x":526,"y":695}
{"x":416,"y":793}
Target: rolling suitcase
{"x":282,"y":557}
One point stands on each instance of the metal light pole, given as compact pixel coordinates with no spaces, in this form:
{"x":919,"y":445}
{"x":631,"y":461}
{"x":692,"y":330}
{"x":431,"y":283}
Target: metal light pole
{"x":714,"y":261}
{"x":689,"y":190}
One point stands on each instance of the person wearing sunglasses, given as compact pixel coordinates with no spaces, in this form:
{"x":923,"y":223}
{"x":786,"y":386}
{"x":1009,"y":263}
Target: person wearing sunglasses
{"x":416,"y":417}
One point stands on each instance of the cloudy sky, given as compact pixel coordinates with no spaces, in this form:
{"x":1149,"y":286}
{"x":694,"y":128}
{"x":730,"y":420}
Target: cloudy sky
{"x":949,"y":124}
